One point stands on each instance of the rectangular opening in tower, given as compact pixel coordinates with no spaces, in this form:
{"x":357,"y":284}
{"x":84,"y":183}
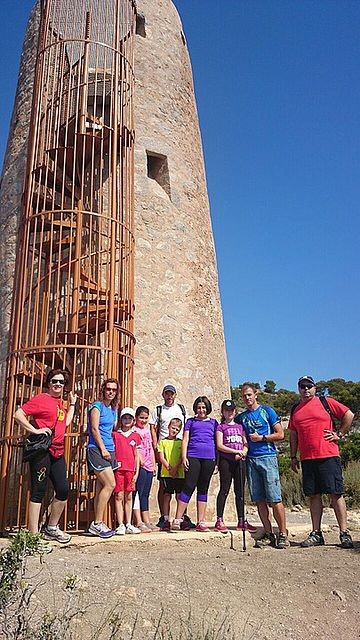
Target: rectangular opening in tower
{"x":158,"y":170}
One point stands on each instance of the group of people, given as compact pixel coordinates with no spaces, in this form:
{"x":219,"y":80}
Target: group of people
{"x":127,"y":449}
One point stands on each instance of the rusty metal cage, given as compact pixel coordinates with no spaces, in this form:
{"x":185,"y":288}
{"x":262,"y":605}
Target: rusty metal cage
{"x":74,"y":283}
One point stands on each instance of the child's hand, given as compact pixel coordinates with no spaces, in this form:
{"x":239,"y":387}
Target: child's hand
{"x":185,"y":462}
{"x":173,"y":472}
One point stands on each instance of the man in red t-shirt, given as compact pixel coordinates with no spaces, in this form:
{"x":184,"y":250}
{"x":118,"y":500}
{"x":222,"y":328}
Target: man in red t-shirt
{"x":312,"y":432}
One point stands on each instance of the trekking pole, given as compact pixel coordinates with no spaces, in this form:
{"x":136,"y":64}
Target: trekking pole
{"x":242,"y":477}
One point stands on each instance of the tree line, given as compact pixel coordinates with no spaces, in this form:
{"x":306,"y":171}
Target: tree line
{"x":345,"y":391}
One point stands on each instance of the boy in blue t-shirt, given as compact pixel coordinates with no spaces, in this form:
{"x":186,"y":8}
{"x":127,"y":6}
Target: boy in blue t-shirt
{"x":263,"y":429}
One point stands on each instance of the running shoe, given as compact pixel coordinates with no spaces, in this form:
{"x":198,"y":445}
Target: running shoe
{"x":221,"y":526}
{"x":120,"y":530}
{"x":346,"y":540}
{"x":314,"y":539}
{"x":166,"y":527}
{"x":202,"y":527}
{"x":247,"y":526}
{"x":144,"y":528}
{"x":152,"y":526}
{"x":267,"y":540}
{"x":55,"y":533}
{"x":100,"y":529}
{"x":176,"y":525}
{"x":185,"y":525}
{"x":188,"y":521}
{"x":282,"y":541}
{"x":160,"y":523}
{"x":131,"y":529}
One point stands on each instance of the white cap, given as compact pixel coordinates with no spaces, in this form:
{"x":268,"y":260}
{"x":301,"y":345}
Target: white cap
{"x":127,"y":411}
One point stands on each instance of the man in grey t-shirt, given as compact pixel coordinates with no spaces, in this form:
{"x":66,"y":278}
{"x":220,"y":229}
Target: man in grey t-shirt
{"x":159,"y":423}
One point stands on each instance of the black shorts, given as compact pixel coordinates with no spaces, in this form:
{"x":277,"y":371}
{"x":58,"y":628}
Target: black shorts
{"x":173,"y":485}
{"x":323,"y":475}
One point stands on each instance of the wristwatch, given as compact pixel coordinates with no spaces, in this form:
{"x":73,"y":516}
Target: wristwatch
{"x":264,"y":439}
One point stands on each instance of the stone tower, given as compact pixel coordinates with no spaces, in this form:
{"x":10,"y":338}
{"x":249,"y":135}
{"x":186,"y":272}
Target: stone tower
{"x":178,"y":318}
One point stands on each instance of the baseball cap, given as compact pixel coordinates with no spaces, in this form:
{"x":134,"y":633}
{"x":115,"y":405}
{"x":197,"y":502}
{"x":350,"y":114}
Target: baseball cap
{"x":228,"y":404}
{"x":306,"y":379}
{"x":127,"y":411}
{"x":169,"y":387}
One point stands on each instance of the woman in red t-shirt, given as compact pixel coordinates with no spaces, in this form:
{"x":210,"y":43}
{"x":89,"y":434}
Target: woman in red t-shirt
{"x":49,"y":415}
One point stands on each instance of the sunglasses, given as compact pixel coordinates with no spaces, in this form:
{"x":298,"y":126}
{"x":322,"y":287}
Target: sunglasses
{"x":306,"y":386}
{"x":57,"y":381}
{"x":111,"y":389}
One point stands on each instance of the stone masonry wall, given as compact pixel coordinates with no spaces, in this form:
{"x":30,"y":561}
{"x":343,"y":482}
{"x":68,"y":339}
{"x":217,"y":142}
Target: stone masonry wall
{"x":179,"y":328}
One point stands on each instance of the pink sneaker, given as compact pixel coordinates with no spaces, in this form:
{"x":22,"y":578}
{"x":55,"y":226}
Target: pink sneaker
{"x":201,"y":526}
{"x":221,"y":526}
{"x":247,"y":526}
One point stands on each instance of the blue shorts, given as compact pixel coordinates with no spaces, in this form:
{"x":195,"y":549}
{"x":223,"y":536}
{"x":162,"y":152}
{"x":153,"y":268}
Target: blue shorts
{"x":263,"y":479}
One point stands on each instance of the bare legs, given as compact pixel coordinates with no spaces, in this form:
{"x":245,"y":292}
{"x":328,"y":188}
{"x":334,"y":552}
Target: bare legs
{"x":316,"y":511}
{"x":123,"y":506}
{"x":34,"y":515}
{"x":279,"y":515}
{"x":105,"y":485}
{"x":57,"y":507}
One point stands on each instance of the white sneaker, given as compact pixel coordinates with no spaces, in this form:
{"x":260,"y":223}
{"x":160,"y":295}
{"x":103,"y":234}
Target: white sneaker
{"x":131,"y":529}
{"x":120,"y":530}
{"x":55,"y":533}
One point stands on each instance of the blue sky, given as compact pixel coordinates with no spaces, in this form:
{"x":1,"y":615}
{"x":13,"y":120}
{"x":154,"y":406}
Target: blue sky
{"x":277,"y":85}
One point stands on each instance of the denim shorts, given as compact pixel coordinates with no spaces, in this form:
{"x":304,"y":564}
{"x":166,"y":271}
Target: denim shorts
{"x":263,"y":479}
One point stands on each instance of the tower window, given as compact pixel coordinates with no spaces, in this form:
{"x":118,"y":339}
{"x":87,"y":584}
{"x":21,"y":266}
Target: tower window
{"x":140,"y":25}
{"x":158,"y":169}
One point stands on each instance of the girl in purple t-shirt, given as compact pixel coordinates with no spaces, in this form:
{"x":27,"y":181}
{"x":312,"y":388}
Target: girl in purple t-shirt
{"x":199,"y":460}
{"x":232,"y":449}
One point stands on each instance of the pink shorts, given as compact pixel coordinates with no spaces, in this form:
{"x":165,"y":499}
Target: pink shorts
{"x":124,"y":481}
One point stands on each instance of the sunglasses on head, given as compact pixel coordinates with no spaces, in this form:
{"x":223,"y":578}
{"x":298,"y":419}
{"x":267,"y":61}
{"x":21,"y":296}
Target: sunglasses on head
{"x":57,"y":381}
{"x":306,"y":386}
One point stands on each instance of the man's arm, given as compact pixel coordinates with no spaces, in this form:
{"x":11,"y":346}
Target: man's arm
{"x":345,"y":425}
{"x":271,"y":437}
{"x":293,"y":451}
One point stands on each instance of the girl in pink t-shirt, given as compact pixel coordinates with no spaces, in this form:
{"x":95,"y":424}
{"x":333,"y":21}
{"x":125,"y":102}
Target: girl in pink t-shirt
{"x":232,"y":450}
{"x":146,"y":472}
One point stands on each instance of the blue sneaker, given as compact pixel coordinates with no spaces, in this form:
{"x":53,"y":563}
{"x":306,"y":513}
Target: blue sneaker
{"x":100,"y":529}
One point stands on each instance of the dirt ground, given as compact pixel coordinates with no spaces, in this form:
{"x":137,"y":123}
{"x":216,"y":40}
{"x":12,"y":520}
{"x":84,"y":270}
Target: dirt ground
{"x":261,"y":594}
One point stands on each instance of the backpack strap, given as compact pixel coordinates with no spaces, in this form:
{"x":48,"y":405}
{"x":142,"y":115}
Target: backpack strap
{"x":293,"y":407}
{"x":326,"y":406}
{"x":158,"y":416}
{"x":183,"y":411}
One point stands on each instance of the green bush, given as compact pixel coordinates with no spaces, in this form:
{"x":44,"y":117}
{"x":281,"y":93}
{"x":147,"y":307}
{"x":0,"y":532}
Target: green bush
{"x":284,"y":463}
{"x":350,"y":448}
{"x":291,"y":489}
{"x":352,"y":484}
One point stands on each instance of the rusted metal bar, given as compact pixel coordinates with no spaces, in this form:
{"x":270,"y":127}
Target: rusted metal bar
{"x":74,"y":285}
